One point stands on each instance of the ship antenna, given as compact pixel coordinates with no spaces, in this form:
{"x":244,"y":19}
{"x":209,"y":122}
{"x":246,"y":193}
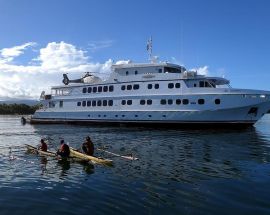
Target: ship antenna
{"x":149,"y":48}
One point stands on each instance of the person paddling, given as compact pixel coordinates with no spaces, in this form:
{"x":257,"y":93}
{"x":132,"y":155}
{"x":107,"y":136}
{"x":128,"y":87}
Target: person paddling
{"x":63,"y":151}
{"x":43,"y":146}
{"x":88,"y":146}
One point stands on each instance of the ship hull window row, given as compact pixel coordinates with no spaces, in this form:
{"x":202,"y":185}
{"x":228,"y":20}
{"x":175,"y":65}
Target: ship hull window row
{"x":130,"y":87}
{"x":94,"y":103}
{"x":98,"y":89}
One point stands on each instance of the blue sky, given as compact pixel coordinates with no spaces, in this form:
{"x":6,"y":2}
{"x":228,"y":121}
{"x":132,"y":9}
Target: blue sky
{"x":230,"y":37}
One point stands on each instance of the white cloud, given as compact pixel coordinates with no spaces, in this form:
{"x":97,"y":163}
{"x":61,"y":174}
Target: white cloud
{"x":97,"y":45}
{"x":201,"y":70}
{"x":8,"y":54}
{"x":27,"y":81}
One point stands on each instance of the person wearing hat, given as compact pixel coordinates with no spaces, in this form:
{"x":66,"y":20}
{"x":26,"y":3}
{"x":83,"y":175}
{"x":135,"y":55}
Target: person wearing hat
{"x":43,"y":146}
{"x":88,"y":146}
{"x":63,"y":151}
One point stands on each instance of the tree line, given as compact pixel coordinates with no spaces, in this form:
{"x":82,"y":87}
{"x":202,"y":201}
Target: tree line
{"x":6,"y":109}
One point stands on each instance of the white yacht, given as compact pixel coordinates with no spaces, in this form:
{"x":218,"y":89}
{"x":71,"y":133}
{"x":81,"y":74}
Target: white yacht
{"x":152,"y":93}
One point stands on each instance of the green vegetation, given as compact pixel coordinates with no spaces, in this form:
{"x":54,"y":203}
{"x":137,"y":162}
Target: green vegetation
{"x":6,"y":109}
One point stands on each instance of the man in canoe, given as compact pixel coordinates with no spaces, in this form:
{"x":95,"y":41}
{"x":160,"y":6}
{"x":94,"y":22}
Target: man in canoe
{"x":88,"y":146}
{"x":43,"y":146}
{"x":63,"y":151}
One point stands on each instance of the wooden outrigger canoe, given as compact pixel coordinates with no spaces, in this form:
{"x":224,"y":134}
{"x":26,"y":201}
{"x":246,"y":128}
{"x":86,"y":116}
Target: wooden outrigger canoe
{"x":40,"y":152}
{"x":77,"y":154}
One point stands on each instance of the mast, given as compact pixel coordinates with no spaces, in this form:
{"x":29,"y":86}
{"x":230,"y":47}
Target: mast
{"x":149,"y":48}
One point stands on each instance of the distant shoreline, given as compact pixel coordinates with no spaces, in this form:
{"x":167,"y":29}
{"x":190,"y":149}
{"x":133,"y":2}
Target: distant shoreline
{"x":17,"y":109}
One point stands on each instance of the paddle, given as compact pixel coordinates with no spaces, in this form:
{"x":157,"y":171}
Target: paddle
{"x":117,"y":155}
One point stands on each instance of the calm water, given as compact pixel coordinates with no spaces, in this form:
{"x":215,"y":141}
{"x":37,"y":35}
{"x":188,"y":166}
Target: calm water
{"x":179,"y":171}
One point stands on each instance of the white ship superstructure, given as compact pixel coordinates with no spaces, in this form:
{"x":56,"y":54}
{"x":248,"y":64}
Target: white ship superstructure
{"x":152,"y":93}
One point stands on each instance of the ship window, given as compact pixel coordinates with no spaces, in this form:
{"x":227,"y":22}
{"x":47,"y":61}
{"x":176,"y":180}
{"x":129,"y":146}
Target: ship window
{"x":149,"y":115}
{"x":99,"y":103}
{"x":160,"y":70}
{"x":200,"y":101}
{"x":136,"y":72}
{"x":217,"y":101}
{"x":94,"y":89}
{"x":178,"y":101}
{"x":170,"y":85}
{"x":111,"y":88}
{"x":94,"y":103}
{"x":195,"y":85}
{"x":116,"y":115}
{"x":123,"y":115}
{"x":149,"y":86}
{"x":170,"y":101}
{"x":129,"y":102}
{"x":105,"y":102}
{"x":136,"y":115}
{"x":100,"y":89}
{"x":142,"y":102}
{"x":156,"y":86}
{"x":201,"y":83}
{"x":84,"y":90}
{"x":89,"y":89}
{"x":78,"y":103}
{"x":123,"y":87}
{"x":61,"y":104}
{"x":88,"y":103}
{"x":163,"y":101}
{"x":105,"y":89}
{"x":136,"y":86}
{"x":104,"y":115}
{"x":149,"y":101}
{"x":129,"y":87}
{"x":185,"y":101}
{"x":126,"y":72}
{"x":177,"y":85}
{"x":123,"y":102}
{"x":110,"y":102}
{"x":84,"y":103}
{"x":172,"y":70}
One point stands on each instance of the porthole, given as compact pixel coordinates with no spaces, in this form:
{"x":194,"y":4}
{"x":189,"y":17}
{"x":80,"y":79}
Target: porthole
{"x":116,"y":115}
{"x":136,"y":115}
{"x":123,"y":87}
{"x":142,"y":102}
{"x":84,"y":103}
{"x":170,"y":85}
{"x":129,"y":102}
{"x":150,"y":86}
{"x":129,"y":87}
{"x":123,"y":115}
{"x":136,"y":86}
{"x":84,"y":90}
{"x":200,"y":101}
{"x":79,"y":103}
{"x":89,"y":89}
{"x":136,"y":72}
{"x":170,"y":101}
{"x":149,"y":116}
{"x":149,"y":102}
{"x":123,"y":102}
{"x":185,"y":101}
{"x":156,"y":86}
{"x":163,"y":101}
{"x":126,"y":72}
{"x":178,"y":101}
{"x":177,"y":85}
{"x":217,"y":101}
